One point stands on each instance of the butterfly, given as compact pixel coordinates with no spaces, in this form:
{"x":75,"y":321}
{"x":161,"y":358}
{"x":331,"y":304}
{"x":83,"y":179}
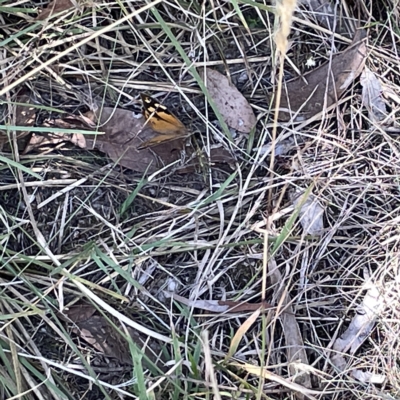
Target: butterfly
{"x":162,"y":121}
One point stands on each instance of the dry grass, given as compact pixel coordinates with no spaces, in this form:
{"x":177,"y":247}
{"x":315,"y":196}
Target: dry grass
{"x":75,"y":227}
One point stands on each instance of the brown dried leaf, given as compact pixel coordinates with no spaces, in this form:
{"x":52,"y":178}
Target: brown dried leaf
{"x":78,"y":139}
{"x":295,"y":346}
{"x":124,"y":133}
{"x":48,"y":138}
{"x":233,"y":106}
{"x":52,"y":139}
{"x":79,"y":312}
{"x":78,"y":121}
{"x":54,"y":7}
{"x":218,"y":155}
{"x":96,"y":330}
{"x":309,"y":97}
{"x":24,"y":116}
{"x":361,"y":325}
{"x":103,"y":337}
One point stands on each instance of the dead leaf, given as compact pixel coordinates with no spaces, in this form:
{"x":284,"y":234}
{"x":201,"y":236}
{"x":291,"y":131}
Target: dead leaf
{"x":358,"y":331}
{"x":233,"y":106}
{"x":295,"y":347}
{"x":368,"y":377}
{"x":96,"y":330}
{"x":372,"y":96}
{"x":362,"y":323}
{"x":323,"y":86}
{"x":124,"y":133}
{"x":78,"y":313}
{"x":54,"y":7}
{"x":323,"y":12}
{"x":281,"y":148}
{"x":311,"y":212}
{"x":218,"y":156}
{"x":70,"y":121}
{"x":103,"y":337}
{"x":219,"y":306}
{"x":54,"y":138}
{"x":25,"y":115}
{"x":78,"y":139}
{"x":38,"y":141}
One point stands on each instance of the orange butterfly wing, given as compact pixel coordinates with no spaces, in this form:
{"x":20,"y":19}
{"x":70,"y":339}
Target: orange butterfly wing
{"x":161,"y":121}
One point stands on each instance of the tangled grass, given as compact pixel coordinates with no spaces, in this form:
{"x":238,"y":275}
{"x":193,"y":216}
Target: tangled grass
{"x":80,"y":234}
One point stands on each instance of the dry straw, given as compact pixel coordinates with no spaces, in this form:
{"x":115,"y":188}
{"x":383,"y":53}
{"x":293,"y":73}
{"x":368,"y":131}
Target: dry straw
{"x":284,"y":11}
{"x":284,"y":14}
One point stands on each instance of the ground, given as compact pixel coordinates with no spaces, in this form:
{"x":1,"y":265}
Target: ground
{"x":207,"y":282}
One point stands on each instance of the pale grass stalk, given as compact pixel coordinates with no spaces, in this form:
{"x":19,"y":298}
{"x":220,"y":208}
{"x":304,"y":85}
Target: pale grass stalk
{"x":285,"y":10}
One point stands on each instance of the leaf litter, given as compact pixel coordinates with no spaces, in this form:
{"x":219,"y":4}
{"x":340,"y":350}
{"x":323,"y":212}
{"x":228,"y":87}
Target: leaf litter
{"x":291,"y":330}
{"x":55,"y":7}
{"x":359,"y":329}
{"x":125,"y":132}
{"x":324,"y":12}
{"x":233,"y":106}
{"x":349,"y":211}
{"x":310,"y":213}
{"x":99,"y":333}
{"x":306,"y":96}
{"x":219,"y":306}
{"x":23,"y":115}
{"x":372,"y":96}
{"x":121,"y":136}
